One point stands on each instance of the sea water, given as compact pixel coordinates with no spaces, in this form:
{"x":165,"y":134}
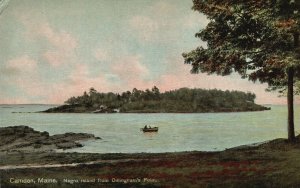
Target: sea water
{"x":121,"y":133}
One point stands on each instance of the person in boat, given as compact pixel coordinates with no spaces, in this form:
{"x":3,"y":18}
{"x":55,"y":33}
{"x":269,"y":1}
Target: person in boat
{"x":145,"y":127}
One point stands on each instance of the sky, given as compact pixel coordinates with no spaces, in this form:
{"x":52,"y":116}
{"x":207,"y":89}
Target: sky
{"x":51,"y":50}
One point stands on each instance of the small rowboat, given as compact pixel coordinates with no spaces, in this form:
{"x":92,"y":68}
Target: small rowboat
{"x":149,"y":129}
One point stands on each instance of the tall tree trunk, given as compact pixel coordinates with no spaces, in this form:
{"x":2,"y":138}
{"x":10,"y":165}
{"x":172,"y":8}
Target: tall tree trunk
{"x":290,"y":97}
{"x":290,"y":101}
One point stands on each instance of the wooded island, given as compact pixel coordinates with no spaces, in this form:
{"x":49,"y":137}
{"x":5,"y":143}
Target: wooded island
{"x":183,"y":100}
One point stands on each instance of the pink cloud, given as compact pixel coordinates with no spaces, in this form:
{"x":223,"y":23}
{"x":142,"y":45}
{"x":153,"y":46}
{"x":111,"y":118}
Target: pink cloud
{"x":42,"y":29}
{"x":56,"y":93}
{"x":130,"y":70}
{"x":127,"y":71}
{"x":63,"y":44}
{"x":62,"y":91}
{"x":23,"y":63}
{"x":77,"y":82}
{"x":60,"y":39}
{"x":55,"y":58}
{"x":28,"y":80}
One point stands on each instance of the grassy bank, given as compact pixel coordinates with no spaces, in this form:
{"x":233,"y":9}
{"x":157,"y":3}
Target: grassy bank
{"x":274,"y":164}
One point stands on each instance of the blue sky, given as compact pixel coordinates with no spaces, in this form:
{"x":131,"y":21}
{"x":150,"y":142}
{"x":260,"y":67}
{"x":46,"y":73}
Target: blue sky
{"x":53,"y":49}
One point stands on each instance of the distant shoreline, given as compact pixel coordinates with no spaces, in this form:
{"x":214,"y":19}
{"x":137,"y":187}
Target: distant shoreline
{"x":72,"y":109}
{"x":216,"y":112}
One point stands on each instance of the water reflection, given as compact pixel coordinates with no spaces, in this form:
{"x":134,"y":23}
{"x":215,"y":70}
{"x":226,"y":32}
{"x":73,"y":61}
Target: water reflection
{"x":150,"y":134}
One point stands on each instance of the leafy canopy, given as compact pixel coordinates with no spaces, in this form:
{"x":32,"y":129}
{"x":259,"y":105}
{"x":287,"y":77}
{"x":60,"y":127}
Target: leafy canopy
{"x":256,"y":38}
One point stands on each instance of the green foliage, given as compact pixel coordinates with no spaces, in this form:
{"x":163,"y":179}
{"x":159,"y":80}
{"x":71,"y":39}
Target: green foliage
{"x":180,"y":100}
{"x":259,"y":39}
{"x":256,"y":38}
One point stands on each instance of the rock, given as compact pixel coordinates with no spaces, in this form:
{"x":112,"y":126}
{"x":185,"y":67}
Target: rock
{"x":24,"y":138}
{"x":68,"y":145}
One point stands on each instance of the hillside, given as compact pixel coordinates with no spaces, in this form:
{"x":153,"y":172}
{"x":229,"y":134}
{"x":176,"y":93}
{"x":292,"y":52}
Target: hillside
{"x":183,"y":100}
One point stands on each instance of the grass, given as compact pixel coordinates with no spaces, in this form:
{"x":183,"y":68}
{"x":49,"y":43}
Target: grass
{"x":273,"y":164}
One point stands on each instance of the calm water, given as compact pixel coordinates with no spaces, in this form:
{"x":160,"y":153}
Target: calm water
{"x":121,"y":133}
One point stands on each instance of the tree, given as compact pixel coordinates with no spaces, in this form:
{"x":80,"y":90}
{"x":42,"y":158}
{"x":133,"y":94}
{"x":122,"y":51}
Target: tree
{"x":155,"y":92}
{"x":86,"y":100}
{"x":92,"y":91}
{"x":259,"y":39}
{"x":136,"y":94}
{"x":71,"y":101}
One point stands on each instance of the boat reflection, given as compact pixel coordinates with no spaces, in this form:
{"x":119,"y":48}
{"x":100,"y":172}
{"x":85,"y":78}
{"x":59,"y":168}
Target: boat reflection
{"x":150,"y":134}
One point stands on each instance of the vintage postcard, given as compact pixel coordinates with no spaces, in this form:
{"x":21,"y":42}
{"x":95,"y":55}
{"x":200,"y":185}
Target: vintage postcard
{"x":149,"y":93}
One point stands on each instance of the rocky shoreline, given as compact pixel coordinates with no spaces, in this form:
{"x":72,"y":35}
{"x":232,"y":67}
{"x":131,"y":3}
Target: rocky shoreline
{"x":24,"y":138}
